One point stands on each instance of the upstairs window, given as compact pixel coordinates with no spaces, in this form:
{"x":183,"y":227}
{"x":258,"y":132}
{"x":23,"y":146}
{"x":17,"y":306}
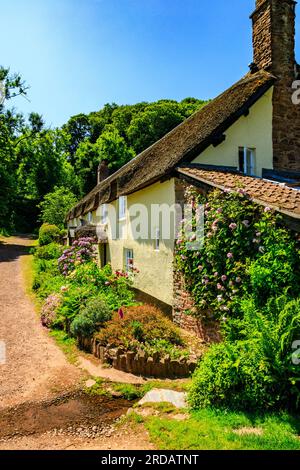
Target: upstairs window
{"x":247,"y":160}
{"x":122,"y":207}
{"x":104,"y":214}
{"x":90,"y":217}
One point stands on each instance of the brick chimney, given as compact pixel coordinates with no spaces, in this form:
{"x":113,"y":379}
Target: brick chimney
{"x":274,"y":51}
{"x":103,"y":171}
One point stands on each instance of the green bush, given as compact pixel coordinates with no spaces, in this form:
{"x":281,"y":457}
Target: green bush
{"x":91,"y":318}
{"x":259,"y":371}
{"x":233,"y":375}
{"x":52,"y":251}
{"x":246,"y":250}
{"x":49,"y":234}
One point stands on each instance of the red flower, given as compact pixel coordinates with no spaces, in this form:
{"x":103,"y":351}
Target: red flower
{"x":121,"y":313}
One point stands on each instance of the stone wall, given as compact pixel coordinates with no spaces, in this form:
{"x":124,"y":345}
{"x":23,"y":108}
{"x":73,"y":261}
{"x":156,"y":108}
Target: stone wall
{"x":139,"y":363}
{"x":185,"y":313}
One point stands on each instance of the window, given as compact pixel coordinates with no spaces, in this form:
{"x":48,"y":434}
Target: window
{"x":157,"y":239}
{"x":90,"y":217}
{"x":104,"y":214}
{"x":128,"y":260}
{"x":247,"y":160}
{"x":122,"y":207}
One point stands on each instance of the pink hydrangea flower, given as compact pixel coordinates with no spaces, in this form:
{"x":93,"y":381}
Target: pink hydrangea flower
{"x":224,"y":278}
{"x":229,"y":255}
{"x":233,"y":226}
{"x":268,"y":209}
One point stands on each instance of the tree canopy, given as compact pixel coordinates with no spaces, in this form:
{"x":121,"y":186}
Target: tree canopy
{"x":36,"y":161}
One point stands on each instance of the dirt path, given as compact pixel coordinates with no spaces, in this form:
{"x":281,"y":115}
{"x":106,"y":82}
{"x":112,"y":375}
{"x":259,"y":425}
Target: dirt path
{"x":41,"y":405}
{"x":34,"y":366}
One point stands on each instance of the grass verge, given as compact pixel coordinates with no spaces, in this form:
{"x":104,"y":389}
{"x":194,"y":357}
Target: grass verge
{"x":221,"y":430}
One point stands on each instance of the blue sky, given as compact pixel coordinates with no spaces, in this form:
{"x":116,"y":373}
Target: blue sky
{"x":79,"y":54}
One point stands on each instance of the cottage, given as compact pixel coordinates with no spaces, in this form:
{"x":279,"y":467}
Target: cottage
{"x":248,"y":136}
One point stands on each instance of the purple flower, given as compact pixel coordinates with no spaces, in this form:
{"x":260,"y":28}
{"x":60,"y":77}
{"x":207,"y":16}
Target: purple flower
{"x":229,"y":255}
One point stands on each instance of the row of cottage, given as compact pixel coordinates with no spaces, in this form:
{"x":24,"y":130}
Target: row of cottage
{"x":249,"y":136}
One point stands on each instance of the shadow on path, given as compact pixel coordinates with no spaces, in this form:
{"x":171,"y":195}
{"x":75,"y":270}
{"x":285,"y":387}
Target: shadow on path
{"x":13,"y":251}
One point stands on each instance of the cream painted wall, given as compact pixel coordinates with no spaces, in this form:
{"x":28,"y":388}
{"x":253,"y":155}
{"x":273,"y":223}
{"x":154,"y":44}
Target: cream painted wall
{"x":156,"y":267}
{"x":254,"y":131}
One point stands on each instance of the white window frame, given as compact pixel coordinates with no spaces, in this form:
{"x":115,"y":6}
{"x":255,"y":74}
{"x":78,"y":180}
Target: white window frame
{"x":249,"y":160}
{"x":90,"y":217}
{"x":122,"y":207}
{"x":128,"y":257}
{"x":104,"y":214}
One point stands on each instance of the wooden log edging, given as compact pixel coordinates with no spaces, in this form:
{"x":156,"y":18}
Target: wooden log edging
{"x":139,"y":363}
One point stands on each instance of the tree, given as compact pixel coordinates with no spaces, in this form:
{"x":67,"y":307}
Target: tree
{"x":55,"y":206}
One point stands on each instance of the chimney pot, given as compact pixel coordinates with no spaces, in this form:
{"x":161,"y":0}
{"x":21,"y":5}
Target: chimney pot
{"x":103,"y":171}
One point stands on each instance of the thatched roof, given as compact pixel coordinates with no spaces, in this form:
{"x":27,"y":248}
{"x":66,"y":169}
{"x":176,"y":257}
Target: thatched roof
{"x":184,"y":143}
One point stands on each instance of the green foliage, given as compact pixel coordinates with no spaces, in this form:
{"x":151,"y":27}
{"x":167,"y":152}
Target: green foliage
{"x":56,"y":205}
{"x":129,"y":391}
{"x":143,"y":327}
{"x":258,"y":371}
{"x":91,"y":317}
{"x":51,"y":251}
{"x":36,"y":160}
{"x":245,"y":251}
{"x":49,"y":234}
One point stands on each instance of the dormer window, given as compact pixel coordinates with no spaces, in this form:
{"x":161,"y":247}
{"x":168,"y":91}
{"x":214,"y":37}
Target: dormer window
{"x":247,"y":160}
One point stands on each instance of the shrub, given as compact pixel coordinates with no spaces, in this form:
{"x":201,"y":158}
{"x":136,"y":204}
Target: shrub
{"x":245,"y":250}
{"x":74,"y":297}
{"x":91,"y":318}
{"x":52,"y":251}
{"x":140,"y":325}
{"x":49,"y":310}
{"x":82,"y":251}
{"x":234,"y":375}
{"x":259,"y":371}
{"x":48,"y":234}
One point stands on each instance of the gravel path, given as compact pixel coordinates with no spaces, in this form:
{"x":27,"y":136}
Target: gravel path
{"x":41,"y":405}
{"x":35,"y":366}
